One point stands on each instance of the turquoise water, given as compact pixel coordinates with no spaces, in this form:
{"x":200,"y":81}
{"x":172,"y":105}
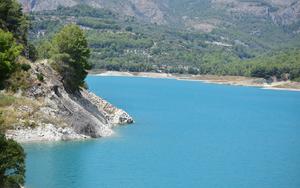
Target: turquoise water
{"x":187,"y":134}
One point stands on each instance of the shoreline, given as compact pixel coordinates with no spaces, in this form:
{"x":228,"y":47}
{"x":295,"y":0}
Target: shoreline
{"x":210,"y":79}
{"x":46,"y":111}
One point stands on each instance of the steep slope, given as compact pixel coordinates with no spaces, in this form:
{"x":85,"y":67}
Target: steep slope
{"x":61,"y":115}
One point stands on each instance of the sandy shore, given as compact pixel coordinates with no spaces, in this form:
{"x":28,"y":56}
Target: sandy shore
{"x":229,"y":80}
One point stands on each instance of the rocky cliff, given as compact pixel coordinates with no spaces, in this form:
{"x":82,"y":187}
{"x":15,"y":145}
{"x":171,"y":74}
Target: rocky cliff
{"x":61,"y":115}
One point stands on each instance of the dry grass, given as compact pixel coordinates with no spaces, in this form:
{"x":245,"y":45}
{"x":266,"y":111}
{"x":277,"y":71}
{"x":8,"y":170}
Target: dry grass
{"x":17,"y":110}
{"x":6,"y":100}
{"x":22,"y":111}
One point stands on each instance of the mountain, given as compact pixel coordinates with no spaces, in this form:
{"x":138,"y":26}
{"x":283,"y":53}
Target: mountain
{"x":197,"y":14}
{"x":182,"y":36}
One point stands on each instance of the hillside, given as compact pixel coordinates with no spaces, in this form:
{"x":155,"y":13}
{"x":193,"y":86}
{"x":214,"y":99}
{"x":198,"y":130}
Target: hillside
{"x":198,"y":37}
{"x":231,"y":19}
{"x":200,"y":11}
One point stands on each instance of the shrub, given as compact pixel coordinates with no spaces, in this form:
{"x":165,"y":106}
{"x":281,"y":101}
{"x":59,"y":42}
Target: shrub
{"x":25,"y":67}
{"x":9,"y":51}
{"x":12,"y":163}
{"x":32,"y":52}
{"x":40,"y":77}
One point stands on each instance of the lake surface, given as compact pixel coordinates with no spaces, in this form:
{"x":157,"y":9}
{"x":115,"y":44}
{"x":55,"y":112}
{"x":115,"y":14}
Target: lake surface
{"x":187,"y":134}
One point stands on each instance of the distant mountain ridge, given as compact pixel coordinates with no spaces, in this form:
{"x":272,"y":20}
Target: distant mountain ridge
{"x":188,"y":12}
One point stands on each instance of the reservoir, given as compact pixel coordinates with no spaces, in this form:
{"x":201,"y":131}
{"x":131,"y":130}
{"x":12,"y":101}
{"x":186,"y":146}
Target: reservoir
{"x":186,"y":134}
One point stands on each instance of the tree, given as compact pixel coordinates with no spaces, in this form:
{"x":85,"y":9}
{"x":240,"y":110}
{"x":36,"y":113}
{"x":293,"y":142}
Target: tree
{"x":13,"y":20}
{"x":71,"y":44}
{"x":44,"y":50}
{"x":9,"y":51}
{"x":12,"y":163}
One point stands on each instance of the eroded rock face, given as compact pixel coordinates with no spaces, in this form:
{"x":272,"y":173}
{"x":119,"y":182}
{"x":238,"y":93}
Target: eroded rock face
{"x":78,"y":115}
{"x":144,"y":10}
{"x":38,"y":5}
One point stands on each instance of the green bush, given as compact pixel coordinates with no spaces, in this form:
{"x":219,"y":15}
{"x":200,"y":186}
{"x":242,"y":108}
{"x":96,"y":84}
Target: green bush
{"x":9,"y":51}
{"x":32,"y":52}
{"x":40,"y":77}
{"x":12,"y":163}
{"x":25,"y":67}
{"x":13,"y":20}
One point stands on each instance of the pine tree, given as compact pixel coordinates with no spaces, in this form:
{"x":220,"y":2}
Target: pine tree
{"x":72,"y":54}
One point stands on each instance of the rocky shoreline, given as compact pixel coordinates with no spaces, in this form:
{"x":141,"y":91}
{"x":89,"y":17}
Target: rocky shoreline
{"x":227,"y":80}
{"x":60,"y":115}
{"x":45,"y":132}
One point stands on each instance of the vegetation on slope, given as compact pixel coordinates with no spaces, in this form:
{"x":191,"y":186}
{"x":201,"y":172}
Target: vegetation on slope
{"x":123,"y":44}
{"x":12,"y":19}
{"x":9,"y":51}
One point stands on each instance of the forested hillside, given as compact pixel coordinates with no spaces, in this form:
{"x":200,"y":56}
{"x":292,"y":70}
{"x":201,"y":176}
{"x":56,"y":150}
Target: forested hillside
{"x":197,"y":36}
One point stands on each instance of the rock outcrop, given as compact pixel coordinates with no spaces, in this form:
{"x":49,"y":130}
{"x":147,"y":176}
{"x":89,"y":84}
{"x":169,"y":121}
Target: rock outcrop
{"x":64,"y":115}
